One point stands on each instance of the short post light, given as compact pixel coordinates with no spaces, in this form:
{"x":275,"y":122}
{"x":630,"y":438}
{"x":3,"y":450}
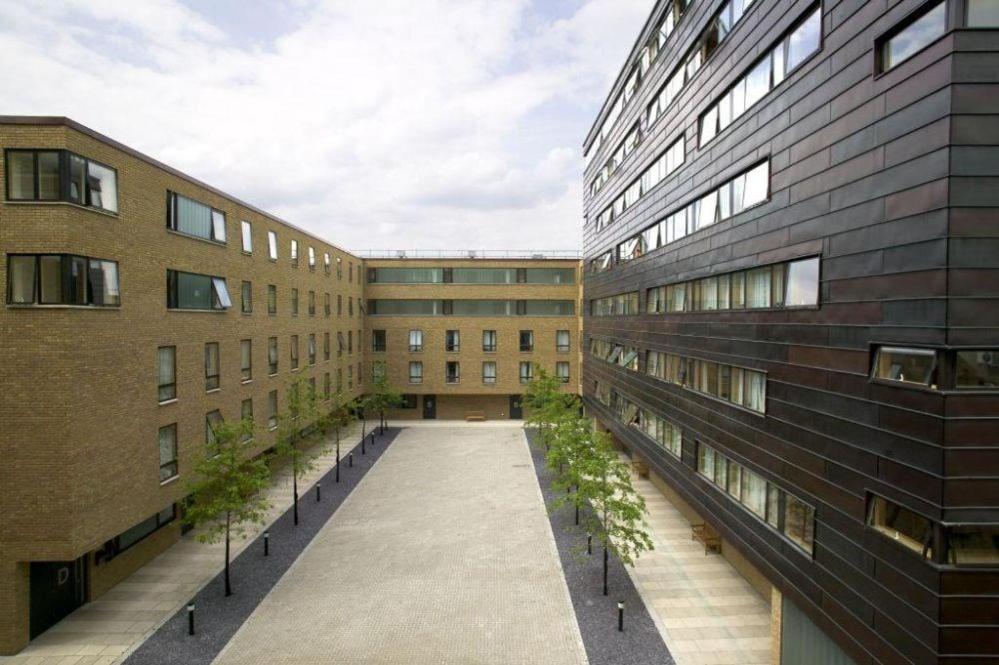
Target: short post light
{"x":190,"y":618}
{"x":267,"y":543}
{"x":620,"y":616}
{"x":318,"y":492}
{"x":350,"y":460}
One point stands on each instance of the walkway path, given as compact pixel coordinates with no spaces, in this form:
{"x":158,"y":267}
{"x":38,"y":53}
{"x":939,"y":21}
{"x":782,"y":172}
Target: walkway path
{"x":443,"y":554}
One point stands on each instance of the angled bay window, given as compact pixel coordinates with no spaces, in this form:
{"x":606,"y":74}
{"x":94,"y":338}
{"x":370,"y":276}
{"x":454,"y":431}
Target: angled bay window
{"x":193,"y":218}
{"x":60,"y":175}
{"x":906,"y":365}
{"x":187,"y":290}
{"x":781,"y":285}
{"x":902,"y":525}
{"x":62,"y":279}
{"x":766,"y":74}
{"x":912,"y":36}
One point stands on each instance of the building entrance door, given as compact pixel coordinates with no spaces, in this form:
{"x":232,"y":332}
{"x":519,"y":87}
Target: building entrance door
{"x":429,"y":407}
{"x":516,"y":407}
{"x":57,"y":588}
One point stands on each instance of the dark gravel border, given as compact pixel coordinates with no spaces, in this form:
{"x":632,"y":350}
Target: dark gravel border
{"x":596,"y":613}
{"x":253,"y":575}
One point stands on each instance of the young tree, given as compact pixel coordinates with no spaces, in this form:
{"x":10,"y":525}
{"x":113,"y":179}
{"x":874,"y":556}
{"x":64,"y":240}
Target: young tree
{"x":546,"y":404}
{"x":302,"y":412}
{"x":571,"y":444}
{"x":605,"y":481}
{"x":383,"y":397}
{"x":225,"y":493}
{"x":338,"y":418}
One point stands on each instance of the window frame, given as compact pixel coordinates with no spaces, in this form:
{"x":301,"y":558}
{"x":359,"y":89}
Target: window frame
{"x":416,"y":378}
{"x":66,"y":284}
{"x":159,"y":373}
{"x":881,"y":41}
{"x":174,"y":462}
{"x":213,"y":378}
{"x":246,"y":236}
{"x":64,"y":158}
{"x":932,"y":383}
{"x":218,"y":304}
{"x":172,"y":223}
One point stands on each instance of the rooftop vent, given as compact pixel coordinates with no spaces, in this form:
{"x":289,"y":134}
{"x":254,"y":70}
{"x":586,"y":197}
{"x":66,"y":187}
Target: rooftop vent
{"x":401,"y":254}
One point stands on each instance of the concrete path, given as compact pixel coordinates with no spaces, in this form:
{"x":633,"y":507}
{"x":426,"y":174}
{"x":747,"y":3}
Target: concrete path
{"x":443,"y":554}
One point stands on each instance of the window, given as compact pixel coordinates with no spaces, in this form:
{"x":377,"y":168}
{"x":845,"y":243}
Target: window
{"x":340,"y":344}
{"x":378,"y":341}
{"x":667,"y":435}
{"x":60,"y":175}
{"x":326,"y":346}
{"x":294,"y":302}
{"x":247,"y":233}
{"x":623,"y":304}
{"x":326,"y":305}
{"x":272,"y":409}
{"x":339,"y":380}
{"x":339,"y":268}
{"x":562,"y":371}
{"x":211,"y":366}
{"x":350,"y":341}
{"x":983,"y":13}
{"x":62,"y":279}
{"x":312,"y":303}
{"x":272,"y":356}
{"x":526,"y":340}
{"x":452,"y":341}
{"x":617,"y":354}
{"x":799,"y":522}
{"x":350,"y":305}
{"x":378,"y":370}
{"x":187,"y":290}
{"x":131,"y":536}
{"x":737,"y":385}
{"x":350,"y":271}
{"x":312,"y":348}
{"x":793,"y":49}
{"x":526,"y":372}
{"x":246,"y":416}
{"x":294,"y":253}
{"x":903,"y":365}
{"x":166,"y":361}
{"x":562,"y":341}
{"x":489,"y":372}
{"x":246,"y":306}
{"x":902,"y":525}
{"x":489,"y":341}
{"x":294,"y":352}
{"x":312,"y":258}
{"x":972,"y":544}
{"x":416,"y":372}
{"x":667,"y":163}
{"x":196,"y":219}
{"x":415,"y":341}
{"x":272,"y":299}
{"x":409,"y":401}
{"x":913,"y":36}
{"x":246,"y":360}
{"x":326,"y":262}
{"x":978,"y":369}
{"x":168,"y":452}
{"x":212,"y":421}
{"x":453,"y":371}
{"x":327,"y":392}
{"x":339,"y":305}
{"x":272,"y":246}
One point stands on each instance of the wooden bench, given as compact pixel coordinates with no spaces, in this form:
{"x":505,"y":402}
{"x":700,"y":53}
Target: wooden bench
{"x":475,"y":416}
{"x":705,"y":534}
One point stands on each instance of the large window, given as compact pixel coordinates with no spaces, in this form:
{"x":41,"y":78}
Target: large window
{"x":471,"y":275}
{"x":913,"y":36}
{"x":737,"y":385}
{"x":471,"y":307}
{"x":973,"y":544}
{"x":193,"y":218}
{"x":452,"y":341}
{"x":526,"y":371}
{"x":62,"y":279}
{"x":902,"y":525}
{"x":983,"y":13}
{"x":904,"y":365}
{"x":667,"y":163}
{"x":416,"y":372}
{"x":60,"y":175}
{"x":246,"y":360}
{"x":211,"y":366}
{"x":623,"y":304}
{"x":782,"y":285}
{"x":166,"y":372}
{"x":526,"y":341}
{"x":978,"y":369}
{"x":452,"y":371}
{"x":793,"y":49}
{"x":415,"y":341}
{"x":489,"y":372}
{"x":247,"y":233}
{"x":187,"y":290}
{"x":168,"y":452}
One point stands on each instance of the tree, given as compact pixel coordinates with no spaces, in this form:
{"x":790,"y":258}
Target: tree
{"x":605,"y":481}
{"x":337,"y":418}
{"x":302,"y":412}
{"x":546,"y":404}
{"x":571,"y":444}
{"x":225,"y":494}
{"x":383,"y":397}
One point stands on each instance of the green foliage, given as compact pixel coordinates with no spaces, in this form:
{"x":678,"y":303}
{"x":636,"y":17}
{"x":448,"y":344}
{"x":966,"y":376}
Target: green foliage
{"x":547,"y":405}
{"x":225,"y":491}
{"x":381,"y":398}
{"x":303,"y":411}
{"x":339,"y":415}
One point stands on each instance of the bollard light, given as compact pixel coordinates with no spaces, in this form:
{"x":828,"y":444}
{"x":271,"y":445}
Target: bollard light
{"x":620,"y":616}
{"x":318,"y":493}
{"x":350,"y":460}
{"x":190,"y":618}
{"x":267,"y":543}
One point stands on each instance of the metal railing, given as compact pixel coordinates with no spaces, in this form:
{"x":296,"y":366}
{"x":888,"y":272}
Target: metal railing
{"x":469,"y":253}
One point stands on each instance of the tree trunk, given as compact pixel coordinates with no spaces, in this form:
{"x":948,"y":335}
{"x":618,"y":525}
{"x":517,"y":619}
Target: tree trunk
{"x":338,"y":453}
{"x":228,"y":584}
{"x":294,"y":485}
{"x":605,"y":568}
{"x":577,"y":505}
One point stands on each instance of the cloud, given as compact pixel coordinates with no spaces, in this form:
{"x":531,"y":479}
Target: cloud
{"x":439,"y":123}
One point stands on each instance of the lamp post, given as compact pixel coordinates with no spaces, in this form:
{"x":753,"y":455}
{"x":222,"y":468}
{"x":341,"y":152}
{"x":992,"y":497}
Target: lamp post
{"x":190,"y":618}
{"x":267,"y":543}
{"x":318,"y":493}
{"x":620,"y":616}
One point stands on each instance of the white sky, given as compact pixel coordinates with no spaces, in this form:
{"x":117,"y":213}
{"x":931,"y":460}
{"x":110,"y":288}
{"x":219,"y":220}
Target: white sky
{"x":379,"y":124}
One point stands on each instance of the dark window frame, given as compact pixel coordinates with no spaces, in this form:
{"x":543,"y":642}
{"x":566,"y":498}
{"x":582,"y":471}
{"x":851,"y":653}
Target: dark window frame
{"x":65,"y":281}
{"x":64,"y":179}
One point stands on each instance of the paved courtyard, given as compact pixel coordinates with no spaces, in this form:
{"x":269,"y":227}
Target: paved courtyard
{"x":443,"y":554}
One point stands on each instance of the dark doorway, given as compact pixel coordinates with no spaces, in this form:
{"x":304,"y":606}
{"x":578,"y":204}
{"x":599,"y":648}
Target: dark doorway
{"x":429,"y":407}
{"x":516,"y":407}
{"x":57,"y":588}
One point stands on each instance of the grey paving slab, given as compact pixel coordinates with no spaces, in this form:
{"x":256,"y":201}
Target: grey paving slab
{"x":443,"y":554}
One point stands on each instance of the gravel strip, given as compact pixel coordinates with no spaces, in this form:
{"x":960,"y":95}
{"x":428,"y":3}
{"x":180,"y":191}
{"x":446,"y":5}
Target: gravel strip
{"x":253,"y":575}
{"x":596,"y":614}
